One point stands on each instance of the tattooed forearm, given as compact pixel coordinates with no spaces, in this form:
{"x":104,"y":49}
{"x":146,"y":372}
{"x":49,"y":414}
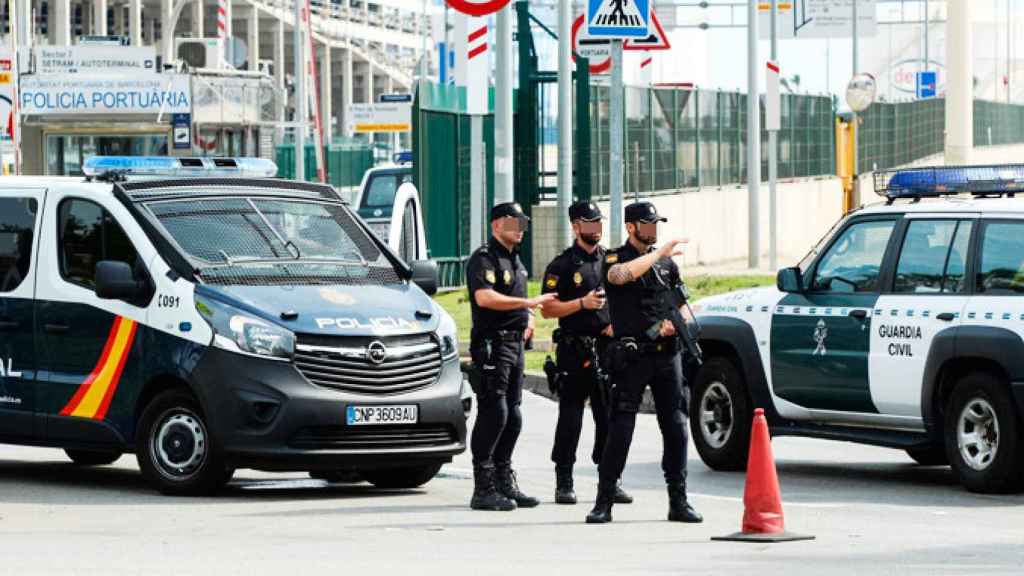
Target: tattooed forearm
{"x":620,"y":274}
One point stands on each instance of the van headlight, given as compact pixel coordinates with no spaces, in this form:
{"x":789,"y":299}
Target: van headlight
{"x":236,"y":331}
{"x":448,"y":336}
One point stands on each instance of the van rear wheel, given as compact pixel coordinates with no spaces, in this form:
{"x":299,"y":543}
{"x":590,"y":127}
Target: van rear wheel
{"x":175,"y":451}
{"x":404,"y":477}
{"x":92,"y":457}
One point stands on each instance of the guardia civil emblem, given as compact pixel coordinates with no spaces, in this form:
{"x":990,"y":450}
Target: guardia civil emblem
{"x":577,"y":278}
{"x":820,"y":335}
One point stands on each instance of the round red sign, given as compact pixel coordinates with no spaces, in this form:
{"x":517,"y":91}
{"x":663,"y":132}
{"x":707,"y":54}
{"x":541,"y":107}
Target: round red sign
{"x":600,"y":62}
{"x":478,"y":7}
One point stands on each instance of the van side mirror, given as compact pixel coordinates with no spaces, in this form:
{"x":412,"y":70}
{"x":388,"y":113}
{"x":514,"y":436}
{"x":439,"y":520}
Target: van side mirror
{"x":116,"y":281}
{"x":789,"y":281}
{"x":424,"y":275}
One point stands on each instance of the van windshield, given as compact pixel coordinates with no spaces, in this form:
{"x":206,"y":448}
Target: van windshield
{"x":239,"y":240}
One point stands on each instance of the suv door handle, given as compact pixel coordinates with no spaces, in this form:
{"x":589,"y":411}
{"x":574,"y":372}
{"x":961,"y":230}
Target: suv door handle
{"x":859,"y":314}
{"x":56,"y":328}
{"x":946,"y":317}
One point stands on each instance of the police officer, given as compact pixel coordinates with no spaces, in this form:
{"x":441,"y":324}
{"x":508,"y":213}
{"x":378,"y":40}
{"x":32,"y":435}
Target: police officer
{"x":583,"y":335}
{"x":502,"y":323}
{"x":646,"y":353}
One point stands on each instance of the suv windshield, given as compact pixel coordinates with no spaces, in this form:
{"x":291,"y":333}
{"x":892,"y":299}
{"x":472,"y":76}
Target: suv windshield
{"x":239,"y":240}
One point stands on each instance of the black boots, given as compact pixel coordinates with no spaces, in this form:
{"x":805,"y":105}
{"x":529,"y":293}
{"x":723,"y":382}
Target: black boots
{"x":509,"y":487}
{"x":564,"y":493}
{"x":602,"y":512}
{"x":485,"y":496}
{"x":621,"y":496}
{"x":679,"y":510}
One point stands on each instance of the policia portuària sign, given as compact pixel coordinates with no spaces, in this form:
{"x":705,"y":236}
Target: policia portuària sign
{"x":75,"y":94}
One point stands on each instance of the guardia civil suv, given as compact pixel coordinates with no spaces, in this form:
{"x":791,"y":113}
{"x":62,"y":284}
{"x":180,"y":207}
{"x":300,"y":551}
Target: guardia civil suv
{"x":902,"y":329}
{"x":207,"y":317}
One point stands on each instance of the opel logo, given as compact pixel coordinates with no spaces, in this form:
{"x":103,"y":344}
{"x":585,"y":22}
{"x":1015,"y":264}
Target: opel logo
{"x":377,"y":352}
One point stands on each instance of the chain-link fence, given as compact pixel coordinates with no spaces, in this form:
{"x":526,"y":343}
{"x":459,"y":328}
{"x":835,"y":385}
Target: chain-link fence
{"x":893,"y":134}
{"x":690,"y":138}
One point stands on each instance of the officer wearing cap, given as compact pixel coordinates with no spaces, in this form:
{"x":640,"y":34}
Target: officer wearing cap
{"x":583,"y":335}
{"x":645,"y":353}
{"x":502,"y":323}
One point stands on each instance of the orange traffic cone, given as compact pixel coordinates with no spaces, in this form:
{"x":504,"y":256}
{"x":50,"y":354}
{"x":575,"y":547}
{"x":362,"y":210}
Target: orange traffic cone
{"x":762,"y":514}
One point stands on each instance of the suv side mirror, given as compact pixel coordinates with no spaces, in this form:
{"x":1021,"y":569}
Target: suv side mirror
{"x":789,"y":281}
{"x":116,"y":281}
{"x":424,"y":275}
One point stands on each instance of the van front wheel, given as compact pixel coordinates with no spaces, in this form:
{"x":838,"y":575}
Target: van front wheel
{"x":174,"y":448}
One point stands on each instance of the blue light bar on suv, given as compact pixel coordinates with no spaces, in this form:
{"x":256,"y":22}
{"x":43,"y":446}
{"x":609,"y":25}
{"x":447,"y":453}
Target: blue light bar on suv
{"x":933,"y":182}
{"x":171,"y":166}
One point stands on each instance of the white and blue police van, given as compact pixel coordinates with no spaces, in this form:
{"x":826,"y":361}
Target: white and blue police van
{"x":903,"y":328}
{"x":207,"y":317}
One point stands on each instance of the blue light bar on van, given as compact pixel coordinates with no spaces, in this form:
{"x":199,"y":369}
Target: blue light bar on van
{"x":933,"y":182}
{"x":179,"y":167}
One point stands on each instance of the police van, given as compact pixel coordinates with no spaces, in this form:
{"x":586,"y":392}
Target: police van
{"x":208,"y":317}
{"x":902,"y":328}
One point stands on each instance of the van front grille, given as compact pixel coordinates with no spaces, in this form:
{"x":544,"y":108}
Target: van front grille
{"x":374,"y":437}
{"x":369,"y":365}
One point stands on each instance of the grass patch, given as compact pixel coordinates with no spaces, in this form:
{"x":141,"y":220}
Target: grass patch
{"x":457,"y":304}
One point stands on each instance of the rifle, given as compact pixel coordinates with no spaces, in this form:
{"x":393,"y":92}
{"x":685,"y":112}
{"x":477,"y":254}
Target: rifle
{"x":670,"y":303}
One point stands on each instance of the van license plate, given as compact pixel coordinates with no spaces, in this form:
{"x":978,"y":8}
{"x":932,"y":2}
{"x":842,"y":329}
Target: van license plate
{"x":369,"y":415}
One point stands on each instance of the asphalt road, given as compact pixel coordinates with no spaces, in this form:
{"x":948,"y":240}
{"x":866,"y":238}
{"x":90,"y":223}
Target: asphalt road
{"x":872,"y":510}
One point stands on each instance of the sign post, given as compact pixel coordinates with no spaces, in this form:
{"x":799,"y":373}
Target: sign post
{"x":617,"y":20}
{"x":753,"y":141}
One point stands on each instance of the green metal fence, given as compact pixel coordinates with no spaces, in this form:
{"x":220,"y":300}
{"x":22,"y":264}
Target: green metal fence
{"x":346,"y":163}
{"x":893,"y":134}
{"x":689,"y":138}
{"x":441,"y":126}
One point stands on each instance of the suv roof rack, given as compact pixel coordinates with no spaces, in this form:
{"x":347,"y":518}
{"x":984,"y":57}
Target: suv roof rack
{"x":983,"y":181}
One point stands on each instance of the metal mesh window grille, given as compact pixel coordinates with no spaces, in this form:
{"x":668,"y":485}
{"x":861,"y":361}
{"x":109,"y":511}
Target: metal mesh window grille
{"x":273,"y":242}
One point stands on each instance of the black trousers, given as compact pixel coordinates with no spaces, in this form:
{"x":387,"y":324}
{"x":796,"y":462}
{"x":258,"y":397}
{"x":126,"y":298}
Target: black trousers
{"x":579,"y":386}
{"x":498,"y":419}
{"x":663,"y":372}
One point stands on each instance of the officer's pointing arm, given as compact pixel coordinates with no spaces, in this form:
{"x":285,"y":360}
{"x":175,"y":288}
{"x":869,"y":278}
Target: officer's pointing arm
{"x":627,"y":272}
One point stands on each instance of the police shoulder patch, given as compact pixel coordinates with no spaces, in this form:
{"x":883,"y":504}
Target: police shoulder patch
{"x":489,"y":276}
{"x":551,"y":281}
{"x":611,"y":258}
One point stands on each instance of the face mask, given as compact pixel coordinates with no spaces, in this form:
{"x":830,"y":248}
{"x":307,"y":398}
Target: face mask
{"x":515,"y":224}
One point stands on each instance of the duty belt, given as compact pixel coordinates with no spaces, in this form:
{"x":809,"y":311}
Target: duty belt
{"x":503,"y":336}
{"x":660,"y":346}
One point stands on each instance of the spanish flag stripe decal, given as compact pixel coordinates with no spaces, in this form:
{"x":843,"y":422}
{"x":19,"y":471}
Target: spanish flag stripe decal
{"x":94,"y":395}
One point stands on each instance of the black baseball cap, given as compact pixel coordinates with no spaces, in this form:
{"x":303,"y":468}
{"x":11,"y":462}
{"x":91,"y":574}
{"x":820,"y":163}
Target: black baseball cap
{"x":586,"y":211}
{"x":512,"y":209}
{"x":643,"y":212}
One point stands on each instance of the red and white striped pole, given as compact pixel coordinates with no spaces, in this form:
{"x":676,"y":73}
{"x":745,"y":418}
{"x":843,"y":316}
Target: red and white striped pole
{"x":224,"y":28}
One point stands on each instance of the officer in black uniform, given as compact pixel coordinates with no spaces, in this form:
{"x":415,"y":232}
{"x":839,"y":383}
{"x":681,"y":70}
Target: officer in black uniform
{"x":583,"y":335}
{"x":646,"y":353}
{"x":502,"y":323}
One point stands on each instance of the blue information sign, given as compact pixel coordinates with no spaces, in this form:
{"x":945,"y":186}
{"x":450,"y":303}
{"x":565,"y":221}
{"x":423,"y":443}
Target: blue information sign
{"x":618,"y":18}
{"x":927,"y":84}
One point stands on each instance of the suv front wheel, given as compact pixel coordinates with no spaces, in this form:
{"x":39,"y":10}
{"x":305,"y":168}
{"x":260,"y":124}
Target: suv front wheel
{"x":983,"y":435}
{"x":720,"y":415}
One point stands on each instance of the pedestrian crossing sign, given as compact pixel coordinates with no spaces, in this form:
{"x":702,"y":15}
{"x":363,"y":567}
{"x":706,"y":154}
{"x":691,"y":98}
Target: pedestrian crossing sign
{"x":618,"y":18}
